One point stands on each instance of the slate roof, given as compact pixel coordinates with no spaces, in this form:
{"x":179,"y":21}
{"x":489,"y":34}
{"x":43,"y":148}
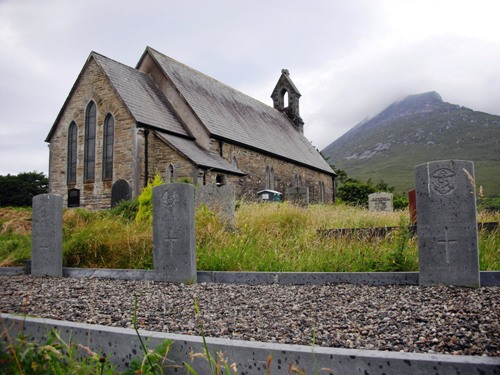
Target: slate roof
{"x":231,"y":115}
{"x":197,"y":155}
{"x":146,"y":102}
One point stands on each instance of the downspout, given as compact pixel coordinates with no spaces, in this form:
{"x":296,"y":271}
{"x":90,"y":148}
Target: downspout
{"x":146,"y":159}
{"x":334,"y":181}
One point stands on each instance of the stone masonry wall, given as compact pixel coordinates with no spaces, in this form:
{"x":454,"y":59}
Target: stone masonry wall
{"x":254,"y":164}
{"x":161,"y":156}
{"x":95,"y":86}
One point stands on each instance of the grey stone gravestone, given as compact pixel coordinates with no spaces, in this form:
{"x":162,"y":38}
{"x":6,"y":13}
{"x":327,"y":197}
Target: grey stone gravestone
{"x":119,"y":192}
{"x":173,"y":233}
{"x":447,"y":226}
{"x":380,"y":202}
{"x":298,"y":195}
{"x":219,"y":199}
{"x":46,"y":235}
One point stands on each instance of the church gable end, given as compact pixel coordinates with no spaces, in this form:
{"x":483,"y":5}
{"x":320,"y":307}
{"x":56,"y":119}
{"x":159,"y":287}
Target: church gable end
{"x":82,"y":156}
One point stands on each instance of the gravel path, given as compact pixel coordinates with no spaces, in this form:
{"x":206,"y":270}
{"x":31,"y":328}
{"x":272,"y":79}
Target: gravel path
{"x":397,"y":318}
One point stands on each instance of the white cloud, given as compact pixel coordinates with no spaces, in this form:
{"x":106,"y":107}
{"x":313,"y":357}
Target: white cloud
{"x":349,"y":58}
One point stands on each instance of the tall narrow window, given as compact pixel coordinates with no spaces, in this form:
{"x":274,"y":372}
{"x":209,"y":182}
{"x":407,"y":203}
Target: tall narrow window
{"x":321,"y":192}
{"x":107,"y":148}
{"x":298,"y":180}
{"x":72,"y":151}
{"x":89,"y":153}
{"x":170,"y":173}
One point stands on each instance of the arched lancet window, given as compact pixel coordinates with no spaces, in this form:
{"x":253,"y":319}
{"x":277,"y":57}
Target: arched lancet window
{"x":321,"y":192}
{"x":89,"y":151}
{"x":234,"y":161}
{"x":285,"y":98}
{"x":72,"y":153}
{"x":107,"y":147}
{"x":170,"y":173}
{"x":298,"y":180}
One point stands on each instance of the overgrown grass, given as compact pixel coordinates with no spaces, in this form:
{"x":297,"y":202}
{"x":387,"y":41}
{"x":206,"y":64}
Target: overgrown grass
{"x":283,"y":237}
{"x":266,"y":237}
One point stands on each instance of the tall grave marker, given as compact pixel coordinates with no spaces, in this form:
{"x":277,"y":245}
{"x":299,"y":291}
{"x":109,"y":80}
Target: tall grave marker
{"x":173,"y":233}
{"x":46,"y":235}
{"x":447,"y":226}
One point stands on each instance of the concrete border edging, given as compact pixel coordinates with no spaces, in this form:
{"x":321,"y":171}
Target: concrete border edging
{"x":122,"y":345}
{"x":488,"y":278}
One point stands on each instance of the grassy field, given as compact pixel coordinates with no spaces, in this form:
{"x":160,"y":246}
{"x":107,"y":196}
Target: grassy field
{"x":266,"y":237}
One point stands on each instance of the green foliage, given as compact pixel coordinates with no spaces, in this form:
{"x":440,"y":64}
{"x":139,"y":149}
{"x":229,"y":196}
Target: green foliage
{"x":18,"y":191}
{"x":265,"y":237}
{"x":489,"y":204}
{"x":145,"y":199}
{"x":355,"y":193}
{"x":126,"y":209}
{"x":397,"y":260}
{"x":23,"y":356}
{"x":154,"y":360}
{"x":400,"y":201}
{"x":99,"y":240}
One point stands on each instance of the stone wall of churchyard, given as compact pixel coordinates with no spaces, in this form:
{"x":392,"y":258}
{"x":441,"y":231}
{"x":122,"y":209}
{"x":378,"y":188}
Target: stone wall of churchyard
{"x":161,"y":156}
{"x":93,"y":85}
{"x":285,"y":174}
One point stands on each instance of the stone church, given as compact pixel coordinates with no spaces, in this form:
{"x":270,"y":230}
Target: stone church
{"x":119,"y":126}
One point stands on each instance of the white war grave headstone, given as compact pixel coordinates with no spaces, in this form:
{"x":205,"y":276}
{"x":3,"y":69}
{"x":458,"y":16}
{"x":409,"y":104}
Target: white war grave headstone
{"x":447,"y":225}
{"x":380,"y":202}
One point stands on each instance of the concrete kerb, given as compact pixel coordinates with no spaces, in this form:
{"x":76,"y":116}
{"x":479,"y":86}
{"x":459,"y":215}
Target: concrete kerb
{"x":488,"y":278}
{"x":122,"y":345}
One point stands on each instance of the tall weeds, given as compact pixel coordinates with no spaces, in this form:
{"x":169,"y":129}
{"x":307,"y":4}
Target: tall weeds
{"x":266,"y":237}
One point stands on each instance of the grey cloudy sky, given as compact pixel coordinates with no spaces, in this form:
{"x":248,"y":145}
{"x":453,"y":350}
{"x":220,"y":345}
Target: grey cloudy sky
{"x":349,"y":58}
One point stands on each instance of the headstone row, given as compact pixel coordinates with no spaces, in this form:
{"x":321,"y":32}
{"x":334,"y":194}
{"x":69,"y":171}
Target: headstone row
{"x":173,"y":234}
{"x":445,"y":207}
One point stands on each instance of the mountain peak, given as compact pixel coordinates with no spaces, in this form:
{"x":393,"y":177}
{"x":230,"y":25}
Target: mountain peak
{"x":413,"y":130}
{"x":426,"y":98}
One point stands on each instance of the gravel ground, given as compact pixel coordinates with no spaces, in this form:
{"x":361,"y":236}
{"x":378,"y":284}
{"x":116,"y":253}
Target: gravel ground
{"x":397,"y":318}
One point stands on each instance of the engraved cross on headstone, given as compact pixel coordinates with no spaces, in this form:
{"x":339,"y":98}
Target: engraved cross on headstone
{"x":446,"y":242}
{"x":169,"y":241}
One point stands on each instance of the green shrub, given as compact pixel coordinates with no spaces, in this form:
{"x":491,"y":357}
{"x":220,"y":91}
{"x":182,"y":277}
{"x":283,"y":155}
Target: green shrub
{"x":355,"y":193}
{"x":400,"y":201}
{"x":145,"y":199}
{"x":127,"y":209}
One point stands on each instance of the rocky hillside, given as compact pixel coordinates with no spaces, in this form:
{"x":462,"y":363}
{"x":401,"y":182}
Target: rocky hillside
{"x":417,"y":129}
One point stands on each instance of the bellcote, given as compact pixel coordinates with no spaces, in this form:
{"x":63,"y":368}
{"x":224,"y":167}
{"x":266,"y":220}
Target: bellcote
{"x":286,"y":99}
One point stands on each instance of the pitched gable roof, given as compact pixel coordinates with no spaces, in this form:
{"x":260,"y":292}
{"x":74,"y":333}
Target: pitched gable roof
{"x":231,"y":115}
{"x":144,"y":100}
{"x":141,"y":95}
{"x":199,"y":156}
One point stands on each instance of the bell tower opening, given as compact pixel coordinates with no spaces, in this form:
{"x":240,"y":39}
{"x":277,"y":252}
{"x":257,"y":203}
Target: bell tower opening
{"x":286,"y":99}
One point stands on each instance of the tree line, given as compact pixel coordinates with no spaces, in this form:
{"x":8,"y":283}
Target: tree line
{"x":19,"y":190}
{"x":355,"y":192}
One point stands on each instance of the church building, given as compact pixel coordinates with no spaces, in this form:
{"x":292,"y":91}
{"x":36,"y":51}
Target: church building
{"x":119,"y":126}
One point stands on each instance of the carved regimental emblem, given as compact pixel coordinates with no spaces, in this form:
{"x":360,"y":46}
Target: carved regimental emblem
{"x":443,"y":181}
{"x":169,"y":200}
